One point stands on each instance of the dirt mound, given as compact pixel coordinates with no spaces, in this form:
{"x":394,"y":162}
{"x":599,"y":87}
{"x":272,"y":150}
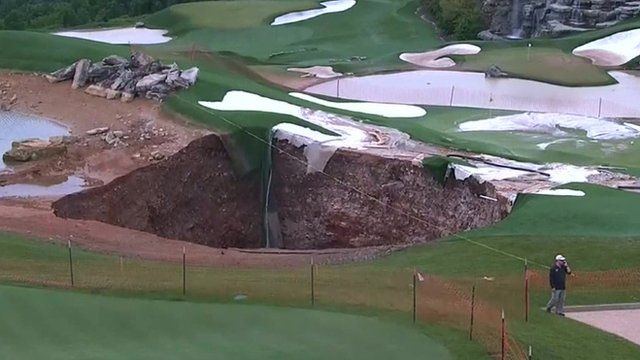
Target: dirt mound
{"x":317,"y":212}
{"x":193,"y":196}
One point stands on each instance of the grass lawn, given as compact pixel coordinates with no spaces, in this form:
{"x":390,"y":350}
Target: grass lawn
{"x":38,"y":324}
{"x":597,"y":232}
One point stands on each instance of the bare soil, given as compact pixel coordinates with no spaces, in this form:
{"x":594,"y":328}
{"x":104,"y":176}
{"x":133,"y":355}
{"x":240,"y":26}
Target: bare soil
{"x":148,"y":130}
{"x":146,"y":127}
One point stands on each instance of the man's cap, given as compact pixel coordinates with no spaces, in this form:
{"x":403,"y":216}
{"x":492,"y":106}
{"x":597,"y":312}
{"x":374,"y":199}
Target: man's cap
{"x":560,"y":257}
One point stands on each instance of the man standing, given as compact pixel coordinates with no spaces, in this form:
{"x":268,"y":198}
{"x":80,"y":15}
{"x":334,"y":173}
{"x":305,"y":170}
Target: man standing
{"x":558,"y":281}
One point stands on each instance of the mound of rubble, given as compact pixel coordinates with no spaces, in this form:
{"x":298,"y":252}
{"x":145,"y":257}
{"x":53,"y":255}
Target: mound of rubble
{"x":116,"y":77}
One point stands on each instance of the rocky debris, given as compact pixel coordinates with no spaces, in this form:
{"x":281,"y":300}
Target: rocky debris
{"x":116,"y":77}
{"x":6,"y":100}
{"x":96,"y":90}
{"x":81,"y":74}
{"x":97,"y":131}
{"x":36,"y":149}
{"x":535,"y":18}
{"x":114,"y":138}
{"x":139,"y":25}
{"x":494,"y":71}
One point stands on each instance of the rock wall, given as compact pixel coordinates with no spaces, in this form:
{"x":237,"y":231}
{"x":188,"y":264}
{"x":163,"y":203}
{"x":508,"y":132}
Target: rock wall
{"x":536,"y":18}
{"x":194,"y":196}
{"x":317,"y":212}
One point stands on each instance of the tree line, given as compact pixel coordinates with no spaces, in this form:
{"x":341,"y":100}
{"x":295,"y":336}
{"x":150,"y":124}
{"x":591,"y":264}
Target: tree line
{"x":55,"y":14}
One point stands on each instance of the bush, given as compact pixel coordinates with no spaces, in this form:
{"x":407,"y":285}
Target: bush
{"x":460,"y":19}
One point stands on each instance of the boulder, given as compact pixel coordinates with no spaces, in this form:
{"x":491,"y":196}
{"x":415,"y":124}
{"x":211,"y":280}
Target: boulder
{"x":115,"y":60}
{"x":98,"y":131}
{"x":64,"y":74}
{"x":190,"y":75}
{"x":101,"y":72}
{"x":113,"y":94}
{"x":139,"y":59}
{"x":494,"y":72}
{"x":34,"y":149}
{"x":81,"y":74}
{"x":96,"y":90}
{"x":127,"y":97}
{"x":139,"y":25}
{"x":146,"y":83}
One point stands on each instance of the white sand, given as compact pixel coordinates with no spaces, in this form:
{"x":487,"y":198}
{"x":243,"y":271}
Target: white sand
{"x":348,"y":136}
{"x":386,"y":110}
{"x":319,"y":147}
{"x":553,"y":124}
{"x":327,"y":7}
{"x":468,"y":89}
{"x":437,"y":58}
{"x":624,"y":323}
{"x":138,"y":36}
{"x":321,"y":72}
{"x":561,"y":192}
{"x":613,"y":50}
{"x":559,"y":174}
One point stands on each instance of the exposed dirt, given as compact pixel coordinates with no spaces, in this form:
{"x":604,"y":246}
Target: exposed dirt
{"x":193,"y":196}
{"x":403,"y":204}
{"x":35,"y":219}
{"x":146,"y":129}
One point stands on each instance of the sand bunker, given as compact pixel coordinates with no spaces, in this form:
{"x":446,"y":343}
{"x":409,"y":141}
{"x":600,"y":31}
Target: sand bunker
{"x":469,"y":89}
{"x":327,"y":7}
{"x":347,"y":133}
{"x":561,"y":192}
{"x":555,"y":124}
{"x":437,"y":58}
{"x":137,"y":36}
{"x":322,"y":72}
{"x":624,"y":323}
{"x":504,"y":169}
{"x":386,"y":110}
{"x":613,"y":50}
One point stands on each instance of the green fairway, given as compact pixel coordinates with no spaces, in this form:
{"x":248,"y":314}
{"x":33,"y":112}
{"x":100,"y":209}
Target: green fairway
{"x":39,"y":324}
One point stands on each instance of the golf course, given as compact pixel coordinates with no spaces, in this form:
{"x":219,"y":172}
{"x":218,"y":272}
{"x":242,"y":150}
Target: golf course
{"x":342,"y":181}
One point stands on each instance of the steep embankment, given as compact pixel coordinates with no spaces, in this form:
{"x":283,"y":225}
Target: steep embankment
{"x":194,"y":196}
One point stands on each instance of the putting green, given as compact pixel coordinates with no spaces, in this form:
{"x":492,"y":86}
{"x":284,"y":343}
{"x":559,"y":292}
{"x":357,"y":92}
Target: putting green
{"x":44,"y":324}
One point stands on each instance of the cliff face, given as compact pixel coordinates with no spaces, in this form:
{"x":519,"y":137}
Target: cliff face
{"x":535,"y":18}
{"x":405,"y":204}
{"x":195,"y":196}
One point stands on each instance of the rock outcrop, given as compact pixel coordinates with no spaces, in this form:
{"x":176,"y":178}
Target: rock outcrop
{"x":37,"y":149}
{"x":536,"y":18}
{"x":118,"y":78}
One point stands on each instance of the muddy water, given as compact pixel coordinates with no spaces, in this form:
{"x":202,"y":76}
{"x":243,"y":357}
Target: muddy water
{"x":70,"y":185}
{"x":15,"y":127}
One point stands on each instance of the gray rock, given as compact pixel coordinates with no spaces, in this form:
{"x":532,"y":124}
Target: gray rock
{"x":63,"y":74}
{"x":81,"y":74}
{"x":190,"y":75}
{"x":113,"y":94}
{"x":96,"y":90}
{"x":98,"y":131}
{"x":495,"y":72}
{"x":33,"y":149}
{"x":127,"y":97}
{"x":146,"y":83}
{"x":139,"y":25}
{"x":139,"y":59}
{"x":115,"y":60}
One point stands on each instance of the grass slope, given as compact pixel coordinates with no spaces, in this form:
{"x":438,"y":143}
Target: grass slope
{"x":39,"y":324}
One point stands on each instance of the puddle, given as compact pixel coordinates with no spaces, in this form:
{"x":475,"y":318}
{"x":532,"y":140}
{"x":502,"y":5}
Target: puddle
{"x":71,"y":185}
{"x":15,"y":127}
